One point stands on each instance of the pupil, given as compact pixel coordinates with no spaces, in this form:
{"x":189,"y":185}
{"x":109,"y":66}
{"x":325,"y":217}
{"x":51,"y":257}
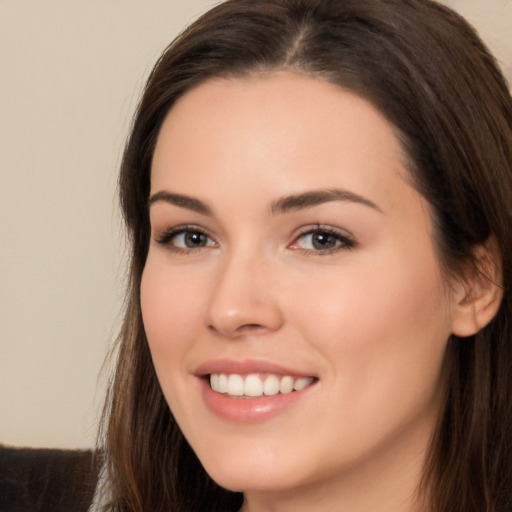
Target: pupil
{"x":323,"y":241}
{"x":194,"y":239}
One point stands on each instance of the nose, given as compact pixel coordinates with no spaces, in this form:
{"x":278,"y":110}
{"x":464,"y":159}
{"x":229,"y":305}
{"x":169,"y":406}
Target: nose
{"x":243,"y":300}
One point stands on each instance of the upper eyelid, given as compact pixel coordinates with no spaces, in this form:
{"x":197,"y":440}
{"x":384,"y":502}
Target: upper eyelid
{"x":166,"y":235}
{"x":323,"y":227}
{"x":182,"y":228}
{"x":295,"y":235}
{"x":346,"y":238}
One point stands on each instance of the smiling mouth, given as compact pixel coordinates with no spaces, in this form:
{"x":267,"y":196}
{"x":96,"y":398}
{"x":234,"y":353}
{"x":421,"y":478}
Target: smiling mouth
{"x":257,"y":385}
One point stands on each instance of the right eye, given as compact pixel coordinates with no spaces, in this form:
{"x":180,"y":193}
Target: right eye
{"x":186,"y":238}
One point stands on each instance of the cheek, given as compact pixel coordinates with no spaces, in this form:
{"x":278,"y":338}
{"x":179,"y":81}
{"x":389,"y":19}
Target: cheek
{"x":382,"y":326}
{"x":169,"y":311}
{"x":171,"y":318}
{"x":383,"y":332}
{"x":373,"y":299}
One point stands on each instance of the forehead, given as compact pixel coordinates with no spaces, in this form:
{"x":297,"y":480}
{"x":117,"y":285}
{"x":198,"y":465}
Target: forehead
{"x":281,"y":127}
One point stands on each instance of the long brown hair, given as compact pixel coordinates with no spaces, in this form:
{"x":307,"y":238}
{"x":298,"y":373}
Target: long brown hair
{"x":428,"y":72}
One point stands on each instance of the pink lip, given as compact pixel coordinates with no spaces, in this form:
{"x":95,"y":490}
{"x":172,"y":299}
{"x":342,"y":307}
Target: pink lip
{"x":248,"y":410}
{"x":246,"y":367}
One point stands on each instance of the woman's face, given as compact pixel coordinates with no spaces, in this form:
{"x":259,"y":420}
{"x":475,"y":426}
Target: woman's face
{"x":288,"y":249}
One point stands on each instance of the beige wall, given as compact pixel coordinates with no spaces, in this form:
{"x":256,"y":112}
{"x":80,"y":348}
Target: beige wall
{"x":70,"y":72}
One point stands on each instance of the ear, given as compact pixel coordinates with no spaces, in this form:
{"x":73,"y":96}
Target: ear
{"x":479,"y":292}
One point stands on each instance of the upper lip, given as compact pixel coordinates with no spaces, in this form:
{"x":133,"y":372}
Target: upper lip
{"x":245,"y":367}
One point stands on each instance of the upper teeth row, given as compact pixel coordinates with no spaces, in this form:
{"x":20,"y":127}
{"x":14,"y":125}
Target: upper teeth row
{"x":254,"y":385}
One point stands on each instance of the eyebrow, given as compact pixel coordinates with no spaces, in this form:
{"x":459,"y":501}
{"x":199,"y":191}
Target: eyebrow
{"x":280,"y":206}
{"x":316,"y":197}
{"x":182,"y":201}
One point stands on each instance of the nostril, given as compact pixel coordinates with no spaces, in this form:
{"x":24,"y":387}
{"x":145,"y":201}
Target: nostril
{"x":250,"y":327}
{"x":242,"y":329}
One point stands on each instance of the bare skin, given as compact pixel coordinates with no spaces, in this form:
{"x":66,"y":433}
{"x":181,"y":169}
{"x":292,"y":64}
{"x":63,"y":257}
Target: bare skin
{"x":286,"y":235}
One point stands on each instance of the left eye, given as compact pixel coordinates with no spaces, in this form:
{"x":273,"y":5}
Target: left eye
{"x":191,"y":239}
{"x":186,"y":239}
{"x":322,"y":240}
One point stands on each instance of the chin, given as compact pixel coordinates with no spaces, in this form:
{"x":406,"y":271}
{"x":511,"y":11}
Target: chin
{"x":259,"y":469}
{"x":250,"y":479}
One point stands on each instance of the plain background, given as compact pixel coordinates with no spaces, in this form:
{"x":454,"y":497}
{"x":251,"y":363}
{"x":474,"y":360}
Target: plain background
{"x":71,"y":72}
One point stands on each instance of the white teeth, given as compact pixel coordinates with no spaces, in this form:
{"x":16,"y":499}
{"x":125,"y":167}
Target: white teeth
{"x":253,"y":385}
{"x":286,"y":385}
{"x":271,"y":385}
{"x":223,"y":383}
{"x":235,"y":385}
{"x":214,"y":381}
{"x":302,"y":383}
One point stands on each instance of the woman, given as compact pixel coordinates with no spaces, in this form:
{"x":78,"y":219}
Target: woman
{"x":319,"y":199}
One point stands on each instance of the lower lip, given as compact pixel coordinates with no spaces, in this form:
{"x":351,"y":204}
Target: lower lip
{"x":250,"y":410}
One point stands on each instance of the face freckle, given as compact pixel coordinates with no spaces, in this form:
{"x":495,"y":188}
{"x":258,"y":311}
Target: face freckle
{"x":339,"y":285}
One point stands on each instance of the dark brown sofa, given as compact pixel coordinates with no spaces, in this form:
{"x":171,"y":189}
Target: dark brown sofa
{"x":46,"y":480}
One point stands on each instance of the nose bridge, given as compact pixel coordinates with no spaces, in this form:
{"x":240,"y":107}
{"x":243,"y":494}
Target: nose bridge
{"x":242,"y":298}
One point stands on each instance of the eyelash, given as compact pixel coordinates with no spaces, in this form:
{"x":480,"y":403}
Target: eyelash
{"x":166,"y":238}
{"x":343,"y":241}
